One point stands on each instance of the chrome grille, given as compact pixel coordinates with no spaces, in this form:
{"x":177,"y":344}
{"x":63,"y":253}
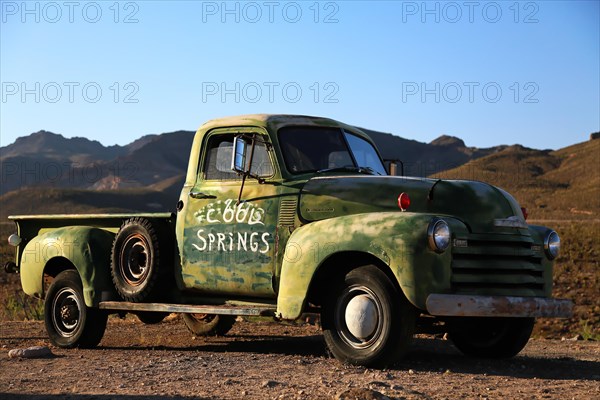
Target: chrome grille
{"x":497,"y":267}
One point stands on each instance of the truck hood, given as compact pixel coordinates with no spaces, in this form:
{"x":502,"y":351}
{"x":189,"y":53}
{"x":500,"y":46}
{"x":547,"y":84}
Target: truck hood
{"x":482,"y":207}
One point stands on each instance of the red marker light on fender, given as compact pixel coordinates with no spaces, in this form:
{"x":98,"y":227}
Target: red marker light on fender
{"x":524,"y":211}
{"x":403,"y":201}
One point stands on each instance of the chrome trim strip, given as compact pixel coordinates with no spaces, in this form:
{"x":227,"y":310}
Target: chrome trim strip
{"x":511,"y":222}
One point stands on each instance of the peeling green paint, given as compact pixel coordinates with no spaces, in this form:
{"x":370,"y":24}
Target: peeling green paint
{"x":397,"y":239}
{"x":86,"y":248}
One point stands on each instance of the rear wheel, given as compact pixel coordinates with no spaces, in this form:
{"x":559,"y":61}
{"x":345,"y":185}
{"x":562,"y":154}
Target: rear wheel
{"x":366,"y":319}
{"x":491,"y":337}
{"x":208,"y":324}
{"x":69,"y":322}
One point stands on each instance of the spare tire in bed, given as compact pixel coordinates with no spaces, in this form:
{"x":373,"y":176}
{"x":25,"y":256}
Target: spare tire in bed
{"x":136,"y":261}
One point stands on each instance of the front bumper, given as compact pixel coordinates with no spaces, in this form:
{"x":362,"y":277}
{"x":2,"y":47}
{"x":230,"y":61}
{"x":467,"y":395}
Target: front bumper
{"x":453,"y":305}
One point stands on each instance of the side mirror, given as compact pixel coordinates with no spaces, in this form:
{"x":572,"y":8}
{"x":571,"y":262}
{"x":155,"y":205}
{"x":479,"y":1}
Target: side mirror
{"x":395,"y":167}
{"x":238,"y":159}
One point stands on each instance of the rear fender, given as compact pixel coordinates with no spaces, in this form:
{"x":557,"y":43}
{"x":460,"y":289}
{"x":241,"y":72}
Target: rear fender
{"x":399,"y":240}
{"x":86,"y":248}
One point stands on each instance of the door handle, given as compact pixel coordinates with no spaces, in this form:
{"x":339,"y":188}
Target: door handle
{"x":200,"y":195}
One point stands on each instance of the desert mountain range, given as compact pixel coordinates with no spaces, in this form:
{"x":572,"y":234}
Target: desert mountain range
{"x":57,"y":174}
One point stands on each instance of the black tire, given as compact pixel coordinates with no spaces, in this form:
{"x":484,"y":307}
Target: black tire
{"x":208,"y":324}
{"x":490,"y":337}
{"x":151,"y":318}
{"x":69,"y":322}
{"x":135,"y":261}
{"x":386,"y":337}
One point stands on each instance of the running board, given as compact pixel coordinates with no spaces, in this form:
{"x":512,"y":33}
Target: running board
{"x":262,"y":311}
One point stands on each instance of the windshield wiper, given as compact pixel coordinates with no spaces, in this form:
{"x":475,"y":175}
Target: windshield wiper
{"x":360,"y":170}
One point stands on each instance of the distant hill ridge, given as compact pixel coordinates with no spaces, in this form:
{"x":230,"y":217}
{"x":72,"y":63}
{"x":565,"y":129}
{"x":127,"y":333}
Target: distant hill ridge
{"x":48,"y":159}
{"x":151,"y":169}
{"x":424,"y":159}
{"x":45,"y":144}
{"x":446,"y":140}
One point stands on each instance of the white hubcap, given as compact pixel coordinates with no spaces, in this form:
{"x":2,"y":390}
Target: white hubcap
{"x":361,"y":316}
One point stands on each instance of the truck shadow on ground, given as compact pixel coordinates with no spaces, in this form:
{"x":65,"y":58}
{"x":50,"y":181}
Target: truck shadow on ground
{"x":431,"y":355}
{"x":313,"y":345}
{"x":424,"y":355}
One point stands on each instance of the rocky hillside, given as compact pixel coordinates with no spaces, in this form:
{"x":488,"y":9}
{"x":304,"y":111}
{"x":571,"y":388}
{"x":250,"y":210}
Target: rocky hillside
{"x":423,"y":159}
{"x":45,"y":159}
{"x":561,"y":184}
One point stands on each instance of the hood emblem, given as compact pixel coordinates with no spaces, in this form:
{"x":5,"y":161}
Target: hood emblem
{"x":460,"y":243}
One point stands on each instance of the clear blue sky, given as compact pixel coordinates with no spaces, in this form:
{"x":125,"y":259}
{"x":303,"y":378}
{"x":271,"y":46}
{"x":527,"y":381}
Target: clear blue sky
{"x":488,"y":72}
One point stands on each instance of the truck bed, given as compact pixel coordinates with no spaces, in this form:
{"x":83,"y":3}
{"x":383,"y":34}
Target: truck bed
{"x":29,"y":226}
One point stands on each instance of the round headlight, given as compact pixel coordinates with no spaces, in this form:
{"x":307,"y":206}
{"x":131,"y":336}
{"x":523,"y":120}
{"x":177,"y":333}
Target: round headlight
{"x":439,"y":235}
{"x":552,"y":245}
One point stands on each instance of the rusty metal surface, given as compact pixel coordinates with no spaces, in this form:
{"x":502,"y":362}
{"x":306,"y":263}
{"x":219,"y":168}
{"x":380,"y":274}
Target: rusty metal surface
{"x":498,"y":306}
{"x":187,"y":308}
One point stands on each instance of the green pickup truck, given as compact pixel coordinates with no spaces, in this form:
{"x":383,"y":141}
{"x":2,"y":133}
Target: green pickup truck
{"x":284,"y":215}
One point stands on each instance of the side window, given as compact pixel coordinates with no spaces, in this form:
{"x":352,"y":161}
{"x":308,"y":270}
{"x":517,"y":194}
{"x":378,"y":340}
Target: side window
{"x":261,"y":162}
{"x":218,"y":159}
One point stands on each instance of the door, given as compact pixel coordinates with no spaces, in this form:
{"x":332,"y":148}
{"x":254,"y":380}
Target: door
{"x":229,"y":247}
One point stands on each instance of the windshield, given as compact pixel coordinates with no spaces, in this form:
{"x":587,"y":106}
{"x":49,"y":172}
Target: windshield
{"x":311,"y":149}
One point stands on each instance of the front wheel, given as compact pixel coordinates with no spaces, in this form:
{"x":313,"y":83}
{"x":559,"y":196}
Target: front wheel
{"x":366,"y":319}
{"x":490,"y":337}
{"x":208,"y":324}
{"x":69,"y":322}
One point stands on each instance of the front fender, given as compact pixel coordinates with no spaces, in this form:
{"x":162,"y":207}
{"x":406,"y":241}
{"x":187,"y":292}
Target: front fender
{"x":87,"y":248}
{"x":399,"y":240}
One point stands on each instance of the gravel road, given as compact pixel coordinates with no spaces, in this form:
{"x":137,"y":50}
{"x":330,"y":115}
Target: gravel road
{"x":272,"y":361}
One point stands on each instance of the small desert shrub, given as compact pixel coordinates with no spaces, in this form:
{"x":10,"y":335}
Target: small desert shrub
{"x":20,"y":307}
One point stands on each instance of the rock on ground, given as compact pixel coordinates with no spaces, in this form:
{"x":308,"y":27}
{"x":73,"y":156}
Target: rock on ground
{"x":30,"y":352}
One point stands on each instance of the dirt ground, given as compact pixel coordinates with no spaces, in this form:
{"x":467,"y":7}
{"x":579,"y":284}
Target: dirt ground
{"x":271,"y":361}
